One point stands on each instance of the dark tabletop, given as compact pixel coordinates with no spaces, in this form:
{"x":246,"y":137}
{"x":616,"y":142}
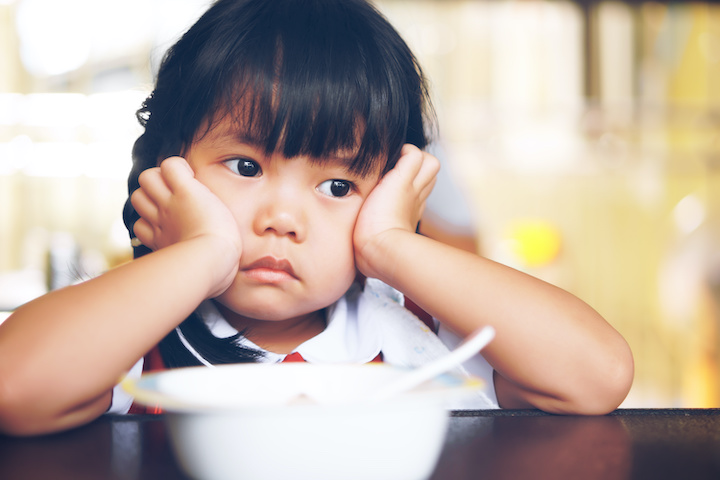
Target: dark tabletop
{"x":505,"y":444}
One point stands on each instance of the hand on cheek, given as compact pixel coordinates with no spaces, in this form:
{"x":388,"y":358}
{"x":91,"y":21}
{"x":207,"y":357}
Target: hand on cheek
{"x":175,"y":207}
{"x":396,"y":203}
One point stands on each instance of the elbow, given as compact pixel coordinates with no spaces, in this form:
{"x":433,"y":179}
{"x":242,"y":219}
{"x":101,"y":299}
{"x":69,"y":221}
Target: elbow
{"x":596,"y":387}
{"x":617,"y":382}
{"x":27,"y":412}
{"x":21,"y":413}
{"x":15,"y":408}
{"x":604,"y":391}
{"x":14,"y":425}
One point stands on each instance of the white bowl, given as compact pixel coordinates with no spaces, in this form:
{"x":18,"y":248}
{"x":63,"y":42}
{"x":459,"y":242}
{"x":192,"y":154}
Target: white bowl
{"x":256,"y":421}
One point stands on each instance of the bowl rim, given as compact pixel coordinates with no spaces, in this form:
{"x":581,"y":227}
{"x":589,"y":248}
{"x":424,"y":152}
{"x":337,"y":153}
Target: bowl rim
{"x":146,"y":389}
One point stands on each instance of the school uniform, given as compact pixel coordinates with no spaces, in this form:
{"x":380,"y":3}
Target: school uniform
{"x":366,"y":324}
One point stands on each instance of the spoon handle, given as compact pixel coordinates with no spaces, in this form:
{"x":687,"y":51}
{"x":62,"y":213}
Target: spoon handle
{"x":469,"y":347}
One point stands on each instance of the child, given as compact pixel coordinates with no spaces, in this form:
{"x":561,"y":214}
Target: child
{"x":281,"y":222}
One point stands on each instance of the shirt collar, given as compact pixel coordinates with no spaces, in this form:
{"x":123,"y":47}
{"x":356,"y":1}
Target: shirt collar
{"x":349,"y":337}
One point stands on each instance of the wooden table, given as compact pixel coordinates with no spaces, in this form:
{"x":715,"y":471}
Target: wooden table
{"x":506,"y":444}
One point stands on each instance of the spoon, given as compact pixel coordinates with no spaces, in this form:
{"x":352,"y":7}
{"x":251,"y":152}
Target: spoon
{"x":469,"y":347}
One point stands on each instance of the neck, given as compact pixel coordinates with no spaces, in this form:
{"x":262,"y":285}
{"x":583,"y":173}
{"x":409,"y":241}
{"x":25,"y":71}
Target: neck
{"x":282,"y":336}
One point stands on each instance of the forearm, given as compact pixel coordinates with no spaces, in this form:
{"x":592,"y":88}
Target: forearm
{"x":61,"y":354}
{"x":552,"y":350}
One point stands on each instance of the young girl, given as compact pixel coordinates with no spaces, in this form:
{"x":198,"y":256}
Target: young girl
{"x":274,"y":201}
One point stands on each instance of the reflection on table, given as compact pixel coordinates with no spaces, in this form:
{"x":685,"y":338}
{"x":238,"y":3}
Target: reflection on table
{"x":505,"y":444}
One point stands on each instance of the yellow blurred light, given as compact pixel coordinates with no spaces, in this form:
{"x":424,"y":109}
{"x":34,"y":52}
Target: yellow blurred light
{"x":535,"y":242}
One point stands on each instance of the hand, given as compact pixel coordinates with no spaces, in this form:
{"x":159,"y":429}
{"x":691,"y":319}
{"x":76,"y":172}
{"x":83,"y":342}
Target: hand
{"x":175,"y":207}
{"x":395,"y":204}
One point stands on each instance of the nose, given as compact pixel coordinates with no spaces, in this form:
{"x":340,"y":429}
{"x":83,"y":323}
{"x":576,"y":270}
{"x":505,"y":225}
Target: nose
{"x":281,"y":214}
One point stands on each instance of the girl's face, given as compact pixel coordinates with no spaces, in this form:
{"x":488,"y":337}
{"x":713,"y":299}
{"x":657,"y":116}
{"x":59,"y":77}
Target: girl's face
{"x":295,"y":219}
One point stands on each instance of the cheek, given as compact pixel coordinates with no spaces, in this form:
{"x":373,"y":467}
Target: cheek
{"x":336,"y":273}
{"x":233,"y":197}
{"x":332,"y":244}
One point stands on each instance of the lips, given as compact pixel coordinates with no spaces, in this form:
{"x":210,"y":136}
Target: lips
{"x":271,"y":264}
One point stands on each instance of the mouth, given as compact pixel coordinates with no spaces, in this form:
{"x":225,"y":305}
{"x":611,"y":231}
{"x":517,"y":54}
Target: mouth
{"x":270,"y":270}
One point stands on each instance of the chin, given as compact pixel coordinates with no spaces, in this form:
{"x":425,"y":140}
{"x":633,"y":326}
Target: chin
{"x":267,"y":315}
{"x":268,"y":305}
{"x":266,"y":311}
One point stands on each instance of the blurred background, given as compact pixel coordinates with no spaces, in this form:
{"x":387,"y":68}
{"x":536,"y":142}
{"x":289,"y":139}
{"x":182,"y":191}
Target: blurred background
{"x":581,"y":137}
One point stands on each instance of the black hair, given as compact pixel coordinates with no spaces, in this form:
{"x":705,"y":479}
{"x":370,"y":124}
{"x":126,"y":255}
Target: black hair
{"x":301,"y":77}
{"x":214,"y":350}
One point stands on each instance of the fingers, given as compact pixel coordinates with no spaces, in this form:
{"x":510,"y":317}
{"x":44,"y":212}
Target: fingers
{"x":145,"y":234}
{"x":428,"y":186}
{"x":161,"y":182}
{"x":176,"y":172}
{"x":157,"y":185}
{"x":419,"y":166}
{"x":146,"y":200}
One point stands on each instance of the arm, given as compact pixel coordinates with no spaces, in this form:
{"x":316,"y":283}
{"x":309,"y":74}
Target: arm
{"x":434,"y":228}
{"x":61,"y":354}
{"x":551,"y":351}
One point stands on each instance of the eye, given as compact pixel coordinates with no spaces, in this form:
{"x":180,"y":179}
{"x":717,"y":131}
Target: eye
{"x":244,"y":167}
{"x":335,"y":188}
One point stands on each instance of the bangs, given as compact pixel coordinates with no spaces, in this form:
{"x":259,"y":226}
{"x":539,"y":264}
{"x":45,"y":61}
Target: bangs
{"x":301,"y":122}
{"x":306,"y":81}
